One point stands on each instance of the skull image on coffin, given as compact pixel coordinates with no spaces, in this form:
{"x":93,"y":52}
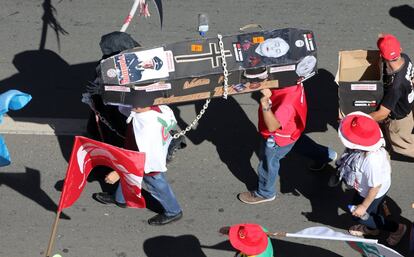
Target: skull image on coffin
{"x":194,"y":70}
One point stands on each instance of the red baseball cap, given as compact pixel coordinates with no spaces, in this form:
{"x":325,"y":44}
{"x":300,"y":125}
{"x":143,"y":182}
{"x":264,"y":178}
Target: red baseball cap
{"x":360,"y":131}
{"x":389,"y":46}
{"x":249,"y":239}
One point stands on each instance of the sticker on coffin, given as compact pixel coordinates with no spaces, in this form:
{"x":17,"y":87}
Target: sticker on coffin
{"x":306,"y":66}
{"x":273,"y":47}
{"x":239,"y":87}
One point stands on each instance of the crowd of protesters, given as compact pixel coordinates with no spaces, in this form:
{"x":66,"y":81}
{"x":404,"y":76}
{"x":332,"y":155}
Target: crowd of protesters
{"x":364,"y":165}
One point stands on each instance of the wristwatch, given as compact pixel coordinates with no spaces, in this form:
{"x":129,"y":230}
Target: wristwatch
{"x":266,"y":109}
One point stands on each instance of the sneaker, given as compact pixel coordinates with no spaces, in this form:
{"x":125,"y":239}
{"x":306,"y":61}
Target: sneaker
{"x":395,"y":237}
{"x":162,"y":219}
{"x":362,"y":230}
{"x":106,"y":198}
{"x":317,"y":166}
{"x":251,"y":198}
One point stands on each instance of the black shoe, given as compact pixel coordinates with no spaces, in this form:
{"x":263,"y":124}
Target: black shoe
{"x":334,"y":180}
{"x":317,"y":166}
{"x":162,"y":219}
{"x":106,"y":198}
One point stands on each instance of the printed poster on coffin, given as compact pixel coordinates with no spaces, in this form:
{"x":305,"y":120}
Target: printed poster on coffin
{"x":140,"y":66}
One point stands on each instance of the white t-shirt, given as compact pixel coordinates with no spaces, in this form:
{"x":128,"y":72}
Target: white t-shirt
{"x":151,"y":131}
{"x":376,"y":170}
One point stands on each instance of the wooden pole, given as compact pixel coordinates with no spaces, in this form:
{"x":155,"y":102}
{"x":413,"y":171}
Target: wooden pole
{"x":276,"y":234}
{"x":53,"y":234}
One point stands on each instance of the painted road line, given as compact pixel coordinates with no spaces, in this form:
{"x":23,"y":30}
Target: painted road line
{"x":43,"y":126}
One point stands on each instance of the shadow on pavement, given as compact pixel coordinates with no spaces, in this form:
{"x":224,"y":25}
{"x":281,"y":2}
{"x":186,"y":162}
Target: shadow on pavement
{"x":226,"y":126}
{"x":403,"y":13}
{"x":325,"y":201}
{"x":289,"y":249}
{"x":28,"y":184}
{"x":180,"y":246}
{"x":56,"y":86}
{"x":322,"y":98}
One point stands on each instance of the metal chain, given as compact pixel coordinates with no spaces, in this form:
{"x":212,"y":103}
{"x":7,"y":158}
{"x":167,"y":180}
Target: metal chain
{"x":195,"y":121}
{"x":224,"y":64}
{"x":86,"y":98}
{"x":225,"y":91}
{"x":202,"y":111}
{"x":104,"y":121}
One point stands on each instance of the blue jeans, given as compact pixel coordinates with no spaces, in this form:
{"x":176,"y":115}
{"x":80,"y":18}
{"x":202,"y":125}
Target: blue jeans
{"x":268,"y":168}
{"x":309,"y":148}
{"x":375,"y":220}
{"x":159,"y":188}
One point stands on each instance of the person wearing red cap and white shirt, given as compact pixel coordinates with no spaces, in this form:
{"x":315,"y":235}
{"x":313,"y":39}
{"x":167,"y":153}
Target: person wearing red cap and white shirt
{"x":397,"y":103}
{"x":365,"y":166}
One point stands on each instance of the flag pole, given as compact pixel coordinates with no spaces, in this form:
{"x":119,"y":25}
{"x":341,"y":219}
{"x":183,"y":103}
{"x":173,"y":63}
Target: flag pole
{"x":276,"y":234}
{"x":53,"y":234}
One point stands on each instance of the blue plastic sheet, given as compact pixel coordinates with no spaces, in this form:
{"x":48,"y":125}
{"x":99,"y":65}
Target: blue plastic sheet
{"x":10,"y":100}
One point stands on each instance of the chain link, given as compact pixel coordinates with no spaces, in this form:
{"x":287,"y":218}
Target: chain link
{"x":86,"y":98}
{"x":225,"y":91}
{"x":195,"y":121}
{"x":224,"y":64}
{"x":106,"y":122}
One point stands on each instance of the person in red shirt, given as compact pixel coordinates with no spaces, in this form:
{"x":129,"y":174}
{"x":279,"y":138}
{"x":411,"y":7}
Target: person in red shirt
{"x":282,"y":119}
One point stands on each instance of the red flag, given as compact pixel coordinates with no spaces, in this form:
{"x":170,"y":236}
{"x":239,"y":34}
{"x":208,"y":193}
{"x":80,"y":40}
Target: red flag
{"x":87,"y":154}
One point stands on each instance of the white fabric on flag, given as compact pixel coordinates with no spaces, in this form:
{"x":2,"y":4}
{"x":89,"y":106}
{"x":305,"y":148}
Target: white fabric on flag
{"x":367,"y":247}
{"x":327,"y":233}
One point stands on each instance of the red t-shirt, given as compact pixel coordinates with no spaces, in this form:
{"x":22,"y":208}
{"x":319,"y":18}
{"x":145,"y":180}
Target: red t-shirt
{"x":290,"y":108}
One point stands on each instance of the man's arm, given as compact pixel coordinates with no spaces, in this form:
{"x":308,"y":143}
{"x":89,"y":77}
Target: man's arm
{"x":269,"y":118}
{"x":362,"y":208}
{"x":381,"y":114}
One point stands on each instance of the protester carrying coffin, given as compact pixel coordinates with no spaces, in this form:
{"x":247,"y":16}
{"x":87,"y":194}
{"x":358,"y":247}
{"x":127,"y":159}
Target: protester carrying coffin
{"x":365,"y":166}
{"x":282,"y":119}
{"x":396,"y":106}
{"x":148,"y":131}
{"x":106,"y":123}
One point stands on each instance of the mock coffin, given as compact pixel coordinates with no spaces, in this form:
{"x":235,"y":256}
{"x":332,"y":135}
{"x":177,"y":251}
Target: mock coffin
{"x":193,"y":70}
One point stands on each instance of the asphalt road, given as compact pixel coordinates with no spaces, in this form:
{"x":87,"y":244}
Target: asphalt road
{"x":221,"y":156}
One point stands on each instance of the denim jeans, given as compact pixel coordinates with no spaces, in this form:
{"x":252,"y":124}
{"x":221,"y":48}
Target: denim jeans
{"x":375,"y":220}
{"x":309,"y":148}
{"x":268,"y":168}
{"x":159,"y":188}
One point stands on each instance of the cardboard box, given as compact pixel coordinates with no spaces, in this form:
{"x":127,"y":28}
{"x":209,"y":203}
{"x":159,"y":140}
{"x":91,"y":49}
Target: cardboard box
{"x":359,"y":78}
{"x":192,"y":70}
